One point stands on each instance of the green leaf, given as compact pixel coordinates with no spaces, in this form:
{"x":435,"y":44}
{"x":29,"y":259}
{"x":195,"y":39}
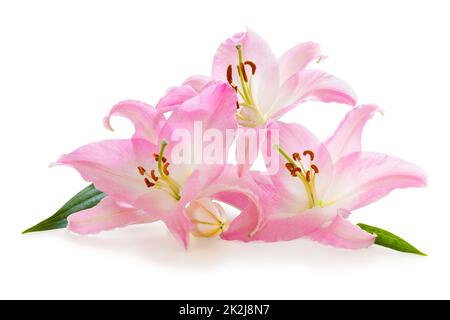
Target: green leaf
{"x":389,"y":240}
{"x":85,"y":199}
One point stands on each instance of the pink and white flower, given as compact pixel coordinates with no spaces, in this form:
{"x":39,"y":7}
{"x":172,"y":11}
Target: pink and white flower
{"x":323,"y":182}
{"x":144,"y":185}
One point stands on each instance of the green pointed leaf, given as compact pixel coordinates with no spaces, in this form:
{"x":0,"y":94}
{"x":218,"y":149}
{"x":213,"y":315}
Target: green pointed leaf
{"x":389,"y":240}
{"x":85,"y":199}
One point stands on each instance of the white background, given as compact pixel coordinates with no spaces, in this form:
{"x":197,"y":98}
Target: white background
{"x":63,"y":64}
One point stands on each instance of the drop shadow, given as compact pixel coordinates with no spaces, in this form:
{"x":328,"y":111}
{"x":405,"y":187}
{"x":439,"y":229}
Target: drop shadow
{"x":155,"y":245}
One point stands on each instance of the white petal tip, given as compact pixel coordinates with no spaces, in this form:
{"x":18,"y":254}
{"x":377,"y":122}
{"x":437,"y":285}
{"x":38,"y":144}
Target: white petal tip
{"x":53,"y":164}
{"x":107,"y":123}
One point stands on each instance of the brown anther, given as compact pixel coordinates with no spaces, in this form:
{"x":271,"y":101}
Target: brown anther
{"x":289,"y":166}
{"x":244,"y":73}
{"x":156,"y":156}
{"x":296,"y":156}
{"x":148,"y":183}
{"x":314,"y":167}
{"x":237,"y":105}
{"x":252,"y":65}
{"x":165,"y":170}
{"x":164,"y":160}
{"x":153,"y":175}
{"x":296,"y":171}
{"x":308,"y":176}
{"x":141,"y":170}
{"x":230,"y":75}
{"x":310,"y":153}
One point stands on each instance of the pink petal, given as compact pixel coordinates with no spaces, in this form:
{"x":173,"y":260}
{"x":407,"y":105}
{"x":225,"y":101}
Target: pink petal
{"x":212,"y":111}
{"x":285,"y":226}
{"x":241,"y":193}
{"x":347,"y":138}
{"x":179,"y":225}
{"x":342,"y":233}
{"x":296,"y":138}
{"x":112,"y":166}
{"x":177,"y":221}
{"x":312,"y":85}
{"x":297,"y":58}
{"x":214,"y":108}
{"x":248,"y":144}
{"x":198,"y":82}
{"x":107,"y":215}
{"x":146,"y":119}
{"x":255,"y":49}
{"x":175,"y":97}
{"x":364,"y":177}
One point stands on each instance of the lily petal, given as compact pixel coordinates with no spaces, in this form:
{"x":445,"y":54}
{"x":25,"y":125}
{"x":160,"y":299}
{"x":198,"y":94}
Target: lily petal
{"x":241,"y":193}
{"x":212,"y":111}
{"x":175,"y":97}
{"x":107,"y":215}
{"x":147,"y":120}
{"x":361,"y":178}
{"x":342,"y":233}
{"x":112,"y":166}
{"x":347,"y":137}
{"x":297,"y":58}
{"x":285,"y":227}
{"x":177,"y":221}
{"x":309,"y":85}
{"x":198,"y":82}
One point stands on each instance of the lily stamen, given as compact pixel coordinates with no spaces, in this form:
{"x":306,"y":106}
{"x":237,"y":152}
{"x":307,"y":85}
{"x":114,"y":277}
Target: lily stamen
{"x":297,"y":168}
{"x":163,"y":181}
{"x":244,"y":90}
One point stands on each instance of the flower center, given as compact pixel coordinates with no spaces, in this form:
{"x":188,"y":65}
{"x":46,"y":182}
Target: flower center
{"x":160,"y":178}
{"x":248,"y":114}
{"x":304,"y":169}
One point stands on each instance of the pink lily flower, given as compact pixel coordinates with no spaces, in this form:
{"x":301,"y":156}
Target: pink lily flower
{"x":143,"y":184}
{"x":321,"y":183}
{"x":267,"y":87}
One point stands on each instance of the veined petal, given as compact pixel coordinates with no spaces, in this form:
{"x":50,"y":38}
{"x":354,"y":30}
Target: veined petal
{"x":266,"y":79}
{"x":342,"y":233}
{"x":107,"y":215}
{"x":289,"y":226}
{"x":361,"y":178}
{"x":311,"y":85}
{"x":112,"y":166}
{"x":147,"y":120}
{"x":347,"y":137}
{"x":297,"y":58}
